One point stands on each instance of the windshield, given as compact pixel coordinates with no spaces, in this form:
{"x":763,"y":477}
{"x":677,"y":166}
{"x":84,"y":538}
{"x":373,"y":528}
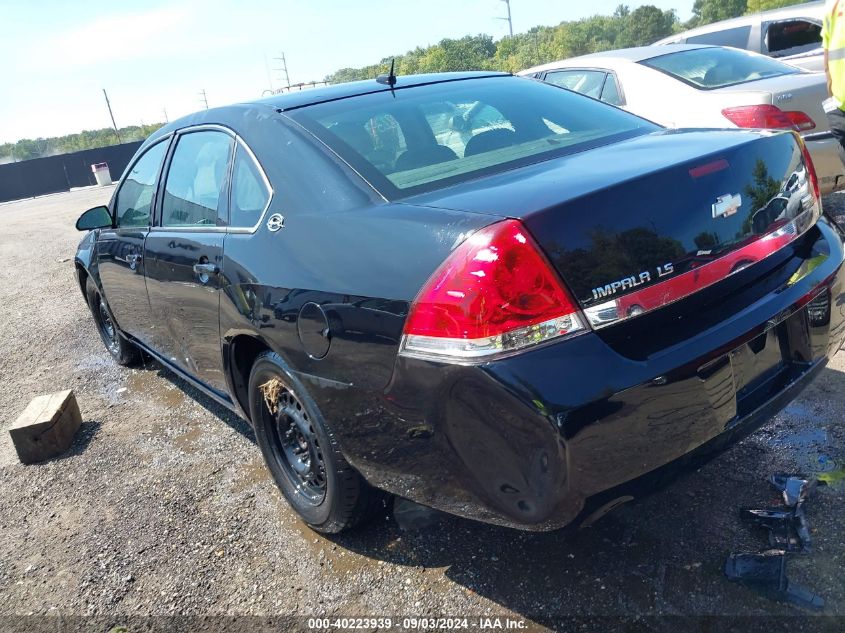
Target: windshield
{"x":426,"y":137}
{"x":709,"y":68}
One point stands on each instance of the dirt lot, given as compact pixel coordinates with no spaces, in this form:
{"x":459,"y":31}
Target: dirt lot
{"x":163,"y":506}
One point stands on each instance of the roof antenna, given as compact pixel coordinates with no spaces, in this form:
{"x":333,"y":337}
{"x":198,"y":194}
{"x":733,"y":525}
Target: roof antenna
{"x":389,"y":78}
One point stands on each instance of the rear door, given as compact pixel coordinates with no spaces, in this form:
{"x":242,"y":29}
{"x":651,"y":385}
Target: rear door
{"x":120,"y":250}
{"x":184,"y":252}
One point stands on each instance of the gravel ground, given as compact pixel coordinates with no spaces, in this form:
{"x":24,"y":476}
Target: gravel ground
{"x":163,"y":505}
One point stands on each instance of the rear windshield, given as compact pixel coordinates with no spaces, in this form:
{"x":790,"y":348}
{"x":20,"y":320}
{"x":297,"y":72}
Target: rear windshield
{"x":709,"y":68}
{"x":427,"y":137}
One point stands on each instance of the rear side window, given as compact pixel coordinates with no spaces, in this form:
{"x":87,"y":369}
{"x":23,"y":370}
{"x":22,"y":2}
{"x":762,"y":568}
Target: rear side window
{"x":597,"y":84}
{"x":457,"y":130}
{"x":610,"y":93}
{"x":196,"y":180}
{"x":135,"y":196}
{"x":709,"y":68}
{"x":250,"y":193}
{"x":587,"y":82}
{"x":792,"y":36}
{"x":737,"y":37}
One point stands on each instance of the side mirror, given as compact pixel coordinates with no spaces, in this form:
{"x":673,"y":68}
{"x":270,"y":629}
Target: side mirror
{"x":96,"y":218}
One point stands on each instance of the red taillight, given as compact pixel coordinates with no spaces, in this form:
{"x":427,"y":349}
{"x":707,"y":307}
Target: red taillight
{"x":800,"y":121}
{"x":495,"y":293}
{"x":768,"y":116}
{"x":811,"y":169}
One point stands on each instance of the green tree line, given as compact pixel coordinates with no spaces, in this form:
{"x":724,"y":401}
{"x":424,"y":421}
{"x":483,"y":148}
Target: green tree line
{"x":541,"y":44}
{"x":28,"y":148}
{"x":644,"y":25}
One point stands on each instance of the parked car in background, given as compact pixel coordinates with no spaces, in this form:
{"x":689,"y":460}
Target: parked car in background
{"x":419,"y":285}
{"x":791,"y":34}
{"x":708,"y":86}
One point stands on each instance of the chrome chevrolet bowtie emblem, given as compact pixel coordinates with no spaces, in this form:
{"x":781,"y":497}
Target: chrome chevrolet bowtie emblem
{"x":275,"y":222}
{"x":726,"y":205}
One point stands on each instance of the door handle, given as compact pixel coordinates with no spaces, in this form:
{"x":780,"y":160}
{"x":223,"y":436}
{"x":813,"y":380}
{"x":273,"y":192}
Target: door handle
{"x":206,"y":269}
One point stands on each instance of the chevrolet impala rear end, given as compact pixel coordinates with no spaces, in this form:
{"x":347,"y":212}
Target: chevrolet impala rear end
{"x":511,"y":302}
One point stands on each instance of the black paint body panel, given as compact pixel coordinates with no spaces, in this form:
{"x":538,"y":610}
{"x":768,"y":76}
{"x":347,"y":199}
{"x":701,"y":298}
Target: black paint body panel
{"x":524,"y":440}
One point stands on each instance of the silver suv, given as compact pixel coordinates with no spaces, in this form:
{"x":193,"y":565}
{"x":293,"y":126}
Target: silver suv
{"x":792,"y":34}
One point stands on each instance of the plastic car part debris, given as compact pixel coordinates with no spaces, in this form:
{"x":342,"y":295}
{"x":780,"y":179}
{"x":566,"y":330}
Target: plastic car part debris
{"x":789,"y":532}
{"x":780,"y":523}
{"x":766,"y":571}
{"x":788,"y":527}
{"x":795,"y":488}
{"x":412,"y":516}
{"x":803,"y":529}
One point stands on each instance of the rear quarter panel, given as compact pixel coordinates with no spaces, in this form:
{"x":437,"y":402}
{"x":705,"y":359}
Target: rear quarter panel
{"x":336,"y":260}
{"x":657,"y":97}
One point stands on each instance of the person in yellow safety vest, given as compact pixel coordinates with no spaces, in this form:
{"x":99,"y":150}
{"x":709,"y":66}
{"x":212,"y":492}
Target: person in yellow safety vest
{"x":833,"y":42}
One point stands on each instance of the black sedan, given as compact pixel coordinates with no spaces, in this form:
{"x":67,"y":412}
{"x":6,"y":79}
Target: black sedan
{"x":480,"y":292}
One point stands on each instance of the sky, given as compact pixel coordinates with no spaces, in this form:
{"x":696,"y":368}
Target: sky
{"x":56,"y":57}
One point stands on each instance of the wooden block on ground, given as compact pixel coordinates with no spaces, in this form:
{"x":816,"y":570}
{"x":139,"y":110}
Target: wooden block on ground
{"x":46,"y":427}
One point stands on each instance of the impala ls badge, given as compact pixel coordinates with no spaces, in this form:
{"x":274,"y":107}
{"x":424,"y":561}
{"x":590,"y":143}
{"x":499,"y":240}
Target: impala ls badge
{"x":275,"y":222}
{"x":726,"y":205}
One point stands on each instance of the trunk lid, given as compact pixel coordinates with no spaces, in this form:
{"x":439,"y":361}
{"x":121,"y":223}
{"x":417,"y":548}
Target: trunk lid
{"x":643,"y":223}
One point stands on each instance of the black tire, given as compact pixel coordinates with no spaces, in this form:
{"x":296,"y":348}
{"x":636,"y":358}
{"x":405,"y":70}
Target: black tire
{"x":303,"y":455}
{"x":122,"y":351}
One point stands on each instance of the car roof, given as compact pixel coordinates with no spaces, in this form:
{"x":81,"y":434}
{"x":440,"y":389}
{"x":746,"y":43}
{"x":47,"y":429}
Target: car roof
{"x":805,"y":10}
{"x":234,"y":114}
{"x":302,"y":98}
{"x":633,"y":55}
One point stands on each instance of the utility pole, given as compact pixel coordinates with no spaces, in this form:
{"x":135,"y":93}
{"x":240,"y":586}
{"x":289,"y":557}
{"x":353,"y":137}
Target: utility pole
{"x":269,"y":76}
{"x":510,"y":22}
{"x":164,"y":111}
{"x":283,"y":69}
{"x":204,"y":98}
{"x":111,"y":114}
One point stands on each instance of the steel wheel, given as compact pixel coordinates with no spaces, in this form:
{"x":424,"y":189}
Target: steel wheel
{"x":302,"y":453}
{"x":297,"y":449}
{"x":108,"y":329}
{"x":120,"y":349}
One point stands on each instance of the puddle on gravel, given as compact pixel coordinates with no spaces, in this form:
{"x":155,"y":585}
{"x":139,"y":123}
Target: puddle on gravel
{"x":250,"y":474}
{"x":801,"y":410}
{"x":122,"y":385}
{"x":149,"y":384}
{"x":810,"y":448}
{"x":331,"y":556}
{"x":188,"y":442}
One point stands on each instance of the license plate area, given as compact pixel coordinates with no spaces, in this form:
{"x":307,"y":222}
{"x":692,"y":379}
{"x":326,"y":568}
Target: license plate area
{"x":763,"y":366}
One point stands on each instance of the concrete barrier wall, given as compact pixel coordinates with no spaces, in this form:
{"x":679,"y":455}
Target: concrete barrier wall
{"x":62,"y":172}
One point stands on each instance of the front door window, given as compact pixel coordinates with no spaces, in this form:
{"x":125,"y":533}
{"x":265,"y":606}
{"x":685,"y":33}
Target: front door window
{"x":135,"y":197}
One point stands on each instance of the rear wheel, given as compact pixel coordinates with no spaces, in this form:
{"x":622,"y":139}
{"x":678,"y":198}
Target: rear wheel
{"x":302,"y":453}
{"x":121,"y":350}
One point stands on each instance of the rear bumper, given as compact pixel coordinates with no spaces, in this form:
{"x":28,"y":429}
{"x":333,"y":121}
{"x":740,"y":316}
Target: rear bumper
{"x":532,"y":440}
{"x":824,"y":149}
